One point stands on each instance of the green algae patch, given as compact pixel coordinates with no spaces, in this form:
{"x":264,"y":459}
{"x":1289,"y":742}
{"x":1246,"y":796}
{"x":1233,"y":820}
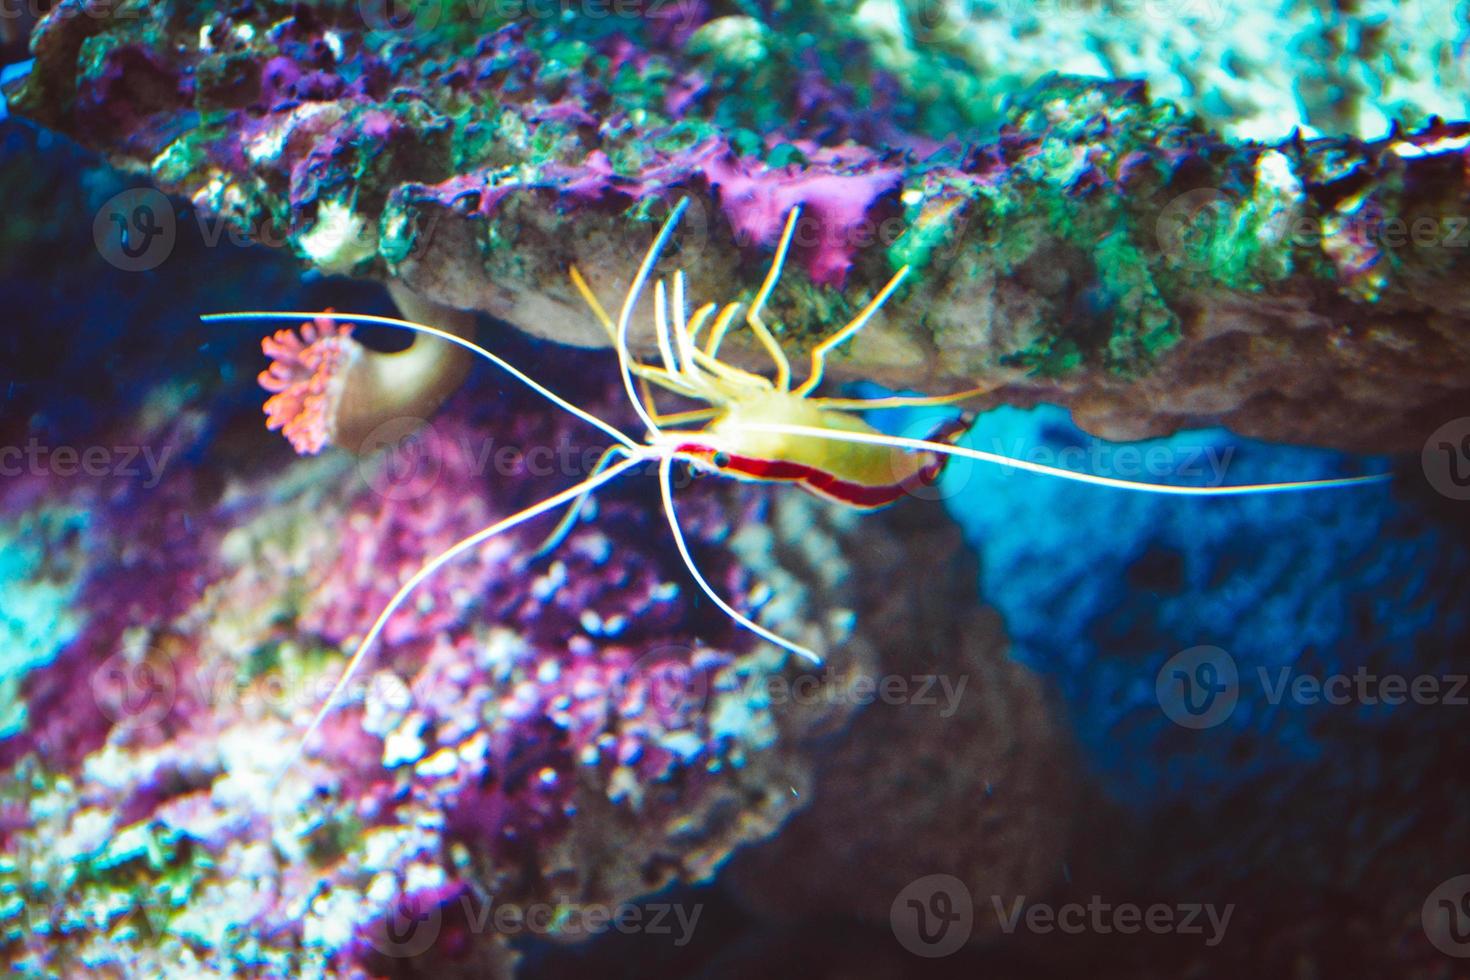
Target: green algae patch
{"x":1143,"y":324}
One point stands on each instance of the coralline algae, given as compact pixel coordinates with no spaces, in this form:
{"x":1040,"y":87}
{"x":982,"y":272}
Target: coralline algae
{"x":141,"y":839}
{"x":142,"y":796}
{"x":571,"y":730}
{"x":212,"y":591}
{"x":1253,"y":70}
{"x":1099,"y":249}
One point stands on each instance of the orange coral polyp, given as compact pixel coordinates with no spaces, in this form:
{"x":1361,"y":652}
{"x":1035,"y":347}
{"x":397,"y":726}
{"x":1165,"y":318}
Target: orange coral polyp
{"x":307,"y":375}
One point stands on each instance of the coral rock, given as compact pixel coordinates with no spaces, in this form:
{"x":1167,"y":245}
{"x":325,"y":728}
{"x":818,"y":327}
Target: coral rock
{"x":1096,"y":248}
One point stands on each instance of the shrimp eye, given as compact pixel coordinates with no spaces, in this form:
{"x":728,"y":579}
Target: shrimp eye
{"x":720,"y":459}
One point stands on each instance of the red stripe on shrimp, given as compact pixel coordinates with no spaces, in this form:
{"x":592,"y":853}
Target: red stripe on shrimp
{"x":818,"y":481}
{"x":862,"y":496}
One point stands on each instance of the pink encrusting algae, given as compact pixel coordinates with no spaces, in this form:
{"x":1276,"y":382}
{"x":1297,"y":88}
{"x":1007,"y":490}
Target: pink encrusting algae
{"x":837,"y":198}
{"x":520,"y":711}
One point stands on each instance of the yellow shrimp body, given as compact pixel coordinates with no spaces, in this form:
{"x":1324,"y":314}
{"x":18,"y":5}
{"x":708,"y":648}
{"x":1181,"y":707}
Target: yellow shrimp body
{"x":860,"y":472}
{"x":862,"y":475}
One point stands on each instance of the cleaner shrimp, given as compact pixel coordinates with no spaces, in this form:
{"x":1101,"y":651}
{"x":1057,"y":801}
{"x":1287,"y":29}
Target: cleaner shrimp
{"x":750,"y":428}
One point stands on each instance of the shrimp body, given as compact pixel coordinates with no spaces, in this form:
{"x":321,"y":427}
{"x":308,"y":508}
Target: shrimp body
{"x":866,"y":476}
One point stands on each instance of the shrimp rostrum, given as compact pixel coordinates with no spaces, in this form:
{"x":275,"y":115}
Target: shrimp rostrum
{"x":743,"y":425}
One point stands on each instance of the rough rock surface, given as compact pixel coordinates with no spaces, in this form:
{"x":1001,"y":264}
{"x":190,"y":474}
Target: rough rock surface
{"x":1317,"y":776}
{"x":1099,"y":250}
{"x":572,"y":732}
{"x":960,"y":770}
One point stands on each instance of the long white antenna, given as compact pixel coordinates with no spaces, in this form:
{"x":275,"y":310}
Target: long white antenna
{"x":469,"y":345}
{"x":626,"y":315}
{"x":434,"y":564}
{"x":924,"y":445}
{"x":665,"y":478}
{"x":569,"y":519}
{"x":681,"y":323}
